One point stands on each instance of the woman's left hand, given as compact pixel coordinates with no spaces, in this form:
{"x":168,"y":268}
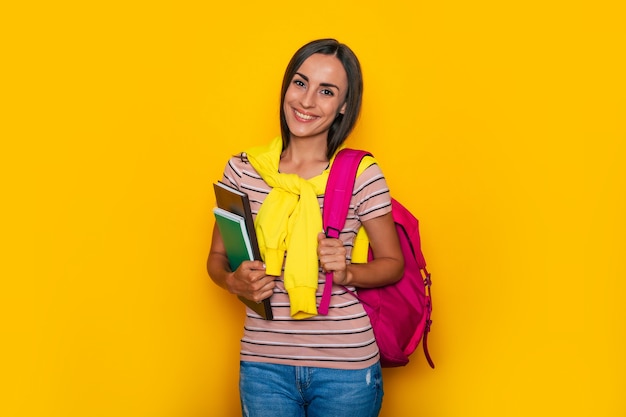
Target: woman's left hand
{"x":332,"y":256}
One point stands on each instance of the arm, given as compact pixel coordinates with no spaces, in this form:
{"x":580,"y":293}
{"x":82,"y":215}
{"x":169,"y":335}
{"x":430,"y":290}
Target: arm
{"x":248,"y":281}
{"x":386,"y":267}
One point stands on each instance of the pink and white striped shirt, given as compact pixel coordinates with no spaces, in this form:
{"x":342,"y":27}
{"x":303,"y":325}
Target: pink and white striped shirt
{"x":343,"y":339}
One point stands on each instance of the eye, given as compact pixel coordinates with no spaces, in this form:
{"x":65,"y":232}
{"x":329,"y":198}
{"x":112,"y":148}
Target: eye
{"x":299,"y":83}
{"x":327,"y":92}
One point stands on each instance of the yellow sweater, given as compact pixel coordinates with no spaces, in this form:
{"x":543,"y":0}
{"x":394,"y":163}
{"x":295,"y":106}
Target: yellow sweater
{"x":289,"y":220}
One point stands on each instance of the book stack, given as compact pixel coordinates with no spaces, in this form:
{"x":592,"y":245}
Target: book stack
{"x":234,"y":221}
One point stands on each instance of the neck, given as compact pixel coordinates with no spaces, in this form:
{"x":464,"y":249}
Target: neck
{"x":305,"y":150}
{"x":304,"y":157}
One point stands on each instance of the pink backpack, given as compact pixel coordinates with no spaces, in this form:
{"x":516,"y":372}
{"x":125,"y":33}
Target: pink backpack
{"x":400,"y":312}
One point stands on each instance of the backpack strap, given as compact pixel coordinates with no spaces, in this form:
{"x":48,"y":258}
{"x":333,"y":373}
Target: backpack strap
{"x":429,"y":309}
{"x":337,"y":197}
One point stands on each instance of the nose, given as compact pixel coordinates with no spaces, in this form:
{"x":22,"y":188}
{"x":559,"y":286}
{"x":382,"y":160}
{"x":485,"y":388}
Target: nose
{"x":307,"y":100}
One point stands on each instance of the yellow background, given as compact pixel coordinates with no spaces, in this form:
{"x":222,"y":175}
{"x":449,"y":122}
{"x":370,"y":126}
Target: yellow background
{"x":500,"y":124}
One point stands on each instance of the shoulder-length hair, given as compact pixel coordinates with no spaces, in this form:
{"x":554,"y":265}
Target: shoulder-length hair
{"x":344,"y":123}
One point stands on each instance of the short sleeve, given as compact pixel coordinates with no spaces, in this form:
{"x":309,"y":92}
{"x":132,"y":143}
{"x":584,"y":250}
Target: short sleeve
{"x":371,"y":197}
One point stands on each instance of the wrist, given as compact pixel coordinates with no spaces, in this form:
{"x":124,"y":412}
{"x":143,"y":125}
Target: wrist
{"x":349,"y":276}
{"x":228,"y":279}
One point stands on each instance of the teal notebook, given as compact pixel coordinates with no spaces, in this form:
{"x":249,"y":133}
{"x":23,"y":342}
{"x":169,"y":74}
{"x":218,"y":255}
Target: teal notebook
{"x":231,"y":200}
{"x":235,"y":236}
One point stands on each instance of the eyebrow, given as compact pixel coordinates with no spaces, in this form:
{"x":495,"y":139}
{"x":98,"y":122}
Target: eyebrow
{"x":321,"y":84}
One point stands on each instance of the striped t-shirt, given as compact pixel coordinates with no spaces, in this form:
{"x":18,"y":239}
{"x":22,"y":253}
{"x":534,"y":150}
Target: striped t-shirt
{"x":343,"y":339}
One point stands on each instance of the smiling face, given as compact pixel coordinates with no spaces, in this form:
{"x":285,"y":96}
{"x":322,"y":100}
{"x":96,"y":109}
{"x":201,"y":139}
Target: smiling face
{"x":315,"y":96}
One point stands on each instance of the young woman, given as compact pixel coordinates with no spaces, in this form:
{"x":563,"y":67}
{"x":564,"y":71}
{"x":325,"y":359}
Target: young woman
{"x":302,"y":363}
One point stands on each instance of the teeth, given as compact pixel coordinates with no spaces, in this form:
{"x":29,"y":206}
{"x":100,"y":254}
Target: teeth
{"x":304,"y":116}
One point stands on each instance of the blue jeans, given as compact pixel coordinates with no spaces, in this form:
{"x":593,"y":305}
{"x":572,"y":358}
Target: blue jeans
{"x":294,"y":391}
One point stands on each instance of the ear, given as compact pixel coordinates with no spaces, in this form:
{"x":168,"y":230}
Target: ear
{"x":342,"y":110}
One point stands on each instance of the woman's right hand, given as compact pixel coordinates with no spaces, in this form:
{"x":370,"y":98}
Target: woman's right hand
{"x":251,"y":282}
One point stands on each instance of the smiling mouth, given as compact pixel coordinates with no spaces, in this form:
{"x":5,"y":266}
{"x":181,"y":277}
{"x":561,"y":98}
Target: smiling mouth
{"x":303,"y":116}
